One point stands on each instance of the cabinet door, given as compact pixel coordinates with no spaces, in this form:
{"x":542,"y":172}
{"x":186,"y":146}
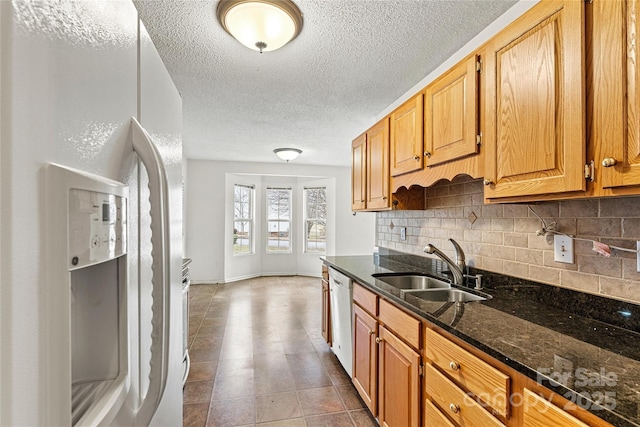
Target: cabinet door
{"x":358,"y":172}
{"x":620,"y":152}
{"x":538,"y":412}
{"x":365,"y":357}
{"x":407,"y":137}
{"x":326,"y":312}
{"x":451,"y":114}
{"x":378,"y":166}
{"x":535,"y":103}
{"x":398,"y":382}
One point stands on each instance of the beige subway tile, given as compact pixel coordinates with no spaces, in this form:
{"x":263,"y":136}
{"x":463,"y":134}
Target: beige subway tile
{"x":493,"y":237}
{"x":463,"y":224}
{"x":482,"y":224}
{"x":631,"y":228}
{"x":492,"y":264}
{"x":492,"y":211}
{"x":474,"y":261}
{"x":442,"y":190}
{"x":527,"y":225}
{"x":545,"y":275}
{"x":587,"y":208}
{"x":515,"y":211}
{"x":440,"y":213}
{"x":429,"y":192}
{"x":506,"y":253}
{"x":540,"y":242}
{"x":473,"y":236}
{"x":547,"y":210}
{"x":610,"y":227}
{"x":567,"y":225}
{"x":629,"y":270}
{"x":434,"y":202}
{"x":477,"y":198}
{"x":502,"y":224}
{"x":620,"y":288}
{"x":516,"y":239}
{"x":516,"y":269}
{"x":583,"y":247}
{"x":455,"y":212}
{"x":621,"y":243}
{"x":549,"y":261}
{"x":580,"y":281}
{"x":448,"y":223}
{"x":601,"y":265}
{"x":474,"y":187}
{"x":623,"y":207}
{"x":530,"y":256}
{"x":456,"y":189}
{"x":434,"y":222}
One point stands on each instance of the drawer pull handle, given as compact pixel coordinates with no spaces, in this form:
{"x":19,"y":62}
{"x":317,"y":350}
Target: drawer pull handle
{"x":454,"y":408}
{"x":454,"y":366}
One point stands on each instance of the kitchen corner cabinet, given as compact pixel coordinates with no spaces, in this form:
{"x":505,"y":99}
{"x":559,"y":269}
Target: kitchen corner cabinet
{"x":386,"y":361}
{"x":407,"y":136}
{"x":535,"y":103}
{"x":370,"y":169}
{"x":451,"y":114}
{"x":326,"y":306}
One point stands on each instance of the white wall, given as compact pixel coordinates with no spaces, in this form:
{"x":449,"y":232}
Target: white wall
{"x":209,"y":202}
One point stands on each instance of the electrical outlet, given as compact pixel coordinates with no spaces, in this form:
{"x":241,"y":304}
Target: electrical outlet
{"x":403,"y":233}
{"x":563,"y":249}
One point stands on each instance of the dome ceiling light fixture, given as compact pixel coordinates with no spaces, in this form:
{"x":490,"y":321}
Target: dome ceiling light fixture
{"x":287,"y":153}
{"x":262,"y":25}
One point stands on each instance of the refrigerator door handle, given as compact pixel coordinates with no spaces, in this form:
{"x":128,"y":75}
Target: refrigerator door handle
{"x":160,"y":252}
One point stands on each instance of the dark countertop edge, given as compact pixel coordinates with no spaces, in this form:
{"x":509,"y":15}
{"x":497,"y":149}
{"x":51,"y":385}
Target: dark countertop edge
{"x":607,"y":415}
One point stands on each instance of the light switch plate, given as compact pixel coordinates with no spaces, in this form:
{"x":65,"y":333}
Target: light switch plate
{"x":403,"y":233}
{"x":563,"y":249}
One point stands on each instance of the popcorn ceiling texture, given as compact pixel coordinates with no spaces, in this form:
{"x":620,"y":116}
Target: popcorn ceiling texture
{"x":503,"y":237}
{"x":352,"y":60}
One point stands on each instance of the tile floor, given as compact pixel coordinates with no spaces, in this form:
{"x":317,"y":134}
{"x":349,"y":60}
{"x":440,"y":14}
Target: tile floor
{"x":258,"y":359}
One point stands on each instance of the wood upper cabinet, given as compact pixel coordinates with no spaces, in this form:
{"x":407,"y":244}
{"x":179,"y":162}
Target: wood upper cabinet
{"x":378,"y":166}
{"x":407,"y":137}
{"x":358,"y":172}
{"x":615,"y":118}
{"x":535,"y":103}
{"x":451,"y":114}
{"x":370,"y":169}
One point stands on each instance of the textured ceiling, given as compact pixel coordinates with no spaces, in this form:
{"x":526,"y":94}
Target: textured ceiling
{"x":352,"y":59}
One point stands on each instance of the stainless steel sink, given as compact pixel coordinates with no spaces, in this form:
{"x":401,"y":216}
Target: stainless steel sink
{"x":448,"y":295}
{"x":411,"y":281}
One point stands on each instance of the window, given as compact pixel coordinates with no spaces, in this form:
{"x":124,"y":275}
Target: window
{"x":315,"y":219}
{"x":242,"y":219}
{"x":279,"y":220}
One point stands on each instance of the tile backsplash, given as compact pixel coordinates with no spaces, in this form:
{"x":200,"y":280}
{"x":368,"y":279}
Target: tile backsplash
{"x":502,"y":238}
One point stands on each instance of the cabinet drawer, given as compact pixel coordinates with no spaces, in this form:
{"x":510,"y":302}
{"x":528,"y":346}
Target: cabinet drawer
{"x":471,"y":372}
{"x":365,"y":299}
{"x":405,"y":326}
{"x":434,"y":418}
{"x":463,"y":409}
{"x":539,"y":412}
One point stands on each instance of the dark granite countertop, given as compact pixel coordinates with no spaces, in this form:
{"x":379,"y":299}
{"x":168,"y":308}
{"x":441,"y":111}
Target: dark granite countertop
{"x":589,"y":344}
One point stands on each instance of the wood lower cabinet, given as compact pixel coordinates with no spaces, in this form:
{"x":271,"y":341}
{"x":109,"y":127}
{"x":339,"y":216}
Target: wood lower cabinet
{"x":407,"y":137}
{"x":326,"y":312}
{"x":539,"y":412}
{"x":385,"y":367}
{"x":398,"y":382}
{"x":535,"y":136}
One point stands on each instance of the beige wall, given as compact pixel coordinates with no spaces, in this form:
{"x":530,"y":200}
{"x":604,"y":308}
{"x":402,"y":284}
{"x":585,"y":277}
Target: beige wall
{"x":503,"y":237}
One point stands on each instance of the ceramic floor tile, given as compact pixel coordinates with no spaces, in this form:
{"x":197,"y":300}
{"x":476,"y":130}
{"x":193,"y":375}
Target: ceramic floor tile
{"x":273,"y":382}
{"x":204,"y":354}
{"x":201,"y":371}
{"x":320,"y":401}
{"x":311,"y":378}
{"x":195,"y":415}
{"x":197,"y":392}
{"x":233,"y":386}
{"x":276,"y":407}
{"x":298,"y":422}
{"x":269,"y":362}
{"x":363,"y":418}
{"x":304,"y":361}
{"x":233,"y":412}
{"x":349,"y":396}
{"x":340,"y":419}
{"x":234,"y":367}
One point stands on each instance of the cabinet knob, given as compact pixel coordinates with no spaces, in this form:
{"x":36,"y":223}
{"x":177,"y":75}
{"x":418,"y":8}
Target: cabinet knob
{"x":384,"y":198}
{"x":427,"y":154}
{"x":454,"y":366}
{"x":378,"y":340}
{"x":416,"y":157}
{"x":608,"y":162}
{"x":454,"y":408}
{"x":362,"y":201}
{"x":487,"y":182}
{"x":372,"y":332}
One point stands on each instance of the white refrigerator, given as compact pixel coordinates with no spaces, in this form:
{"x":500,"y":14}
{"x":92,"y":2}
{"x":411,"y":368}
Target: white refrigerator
{"x":73,"y":74}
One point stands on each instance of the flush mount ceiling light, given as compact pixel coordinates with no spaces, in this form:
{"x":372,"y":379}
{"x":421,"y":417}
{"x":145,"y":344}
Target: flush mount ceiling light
{"x":262,"y":25}
{"x":287,"y":153}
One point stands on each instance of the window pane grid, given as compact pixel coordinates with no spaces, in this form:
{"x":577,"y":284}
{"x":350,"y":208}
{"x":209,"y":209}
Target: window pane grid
{"x":243,"y":219}
{"x":315,"y":221}
{"x":278,"y":220}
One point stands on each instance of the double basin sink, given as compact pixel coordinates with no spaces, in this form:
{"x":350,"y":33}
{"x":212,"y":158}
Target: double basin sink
{"x":428,"y":288}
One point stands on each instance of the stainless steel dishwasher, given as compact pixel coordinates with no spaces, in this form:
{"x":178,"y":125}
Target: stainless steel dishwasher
{"x":341,"y":291}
